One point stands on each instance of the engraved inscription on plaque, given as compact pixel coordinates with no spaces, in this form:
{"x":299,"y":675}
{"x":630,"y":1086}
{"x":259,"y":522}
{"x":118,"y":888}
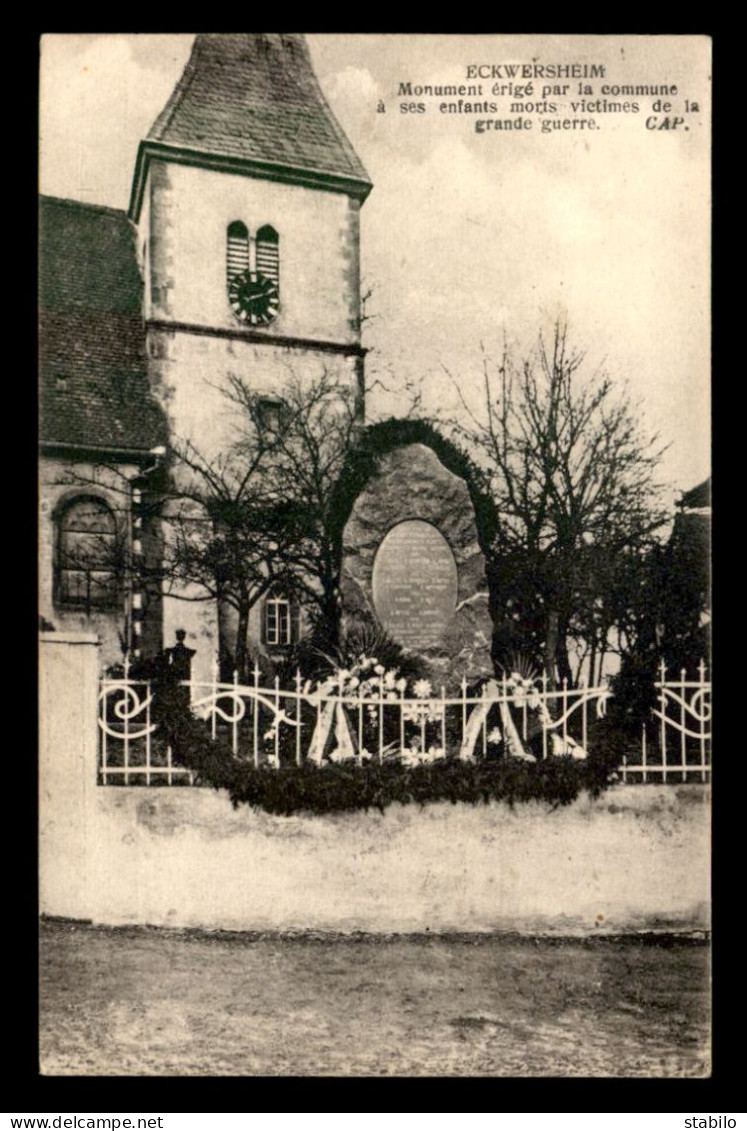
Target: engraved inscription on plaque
{"x":415,"y":584}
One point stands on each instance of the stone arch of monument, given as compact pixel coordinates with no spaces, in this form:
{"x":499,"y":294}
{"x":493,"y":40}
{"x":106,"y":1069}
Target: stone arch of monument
{"x":414,"y":532}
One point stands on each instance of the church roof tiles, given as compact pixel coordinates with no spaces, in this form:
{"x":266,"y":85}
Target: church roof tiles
{"x":94,"y":388}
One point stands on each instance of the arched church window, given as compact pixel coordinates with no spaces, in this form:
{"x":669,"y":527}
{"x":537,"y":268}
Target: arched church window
{"x":268,"y":253}
{"x":237,"y":249}
{"x":85,"y":565}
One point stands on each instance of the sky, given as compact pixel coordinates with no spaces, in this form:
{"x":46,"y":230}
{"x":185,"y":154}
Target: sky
{"x":471,"y":238}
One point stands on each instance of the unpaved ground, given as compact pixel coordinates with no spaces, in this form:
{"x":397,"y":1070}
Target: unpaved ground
{"x":148,"y":1002}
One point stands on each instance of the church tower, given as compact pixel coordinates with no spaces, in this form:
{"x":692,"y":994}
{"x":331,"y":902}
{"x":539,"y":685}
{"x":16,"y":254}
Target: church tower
{"x":246,"y":197}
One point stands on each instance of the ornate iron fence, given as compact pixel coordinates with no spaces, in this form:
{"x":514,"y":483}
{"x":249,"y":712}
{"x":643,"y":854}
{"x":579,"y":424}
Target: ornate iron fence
{"x":131,"y":752}
{"x":676,"y":745}
{"x":276,"y":726}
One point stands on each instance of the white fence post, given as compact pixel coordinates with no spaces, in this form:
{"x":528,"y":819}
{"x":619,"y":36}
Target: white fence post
{"x":485,"y":727}
{"x":126,"y":666}
{"x":213,"y":715}
{"x":683,"y":739}
{"x":235,"y":713}
{"x":584,"y":705}
{"x":103,"y":731}
{"x":663,"y":710}
{"x":702,"y":693}
{"x":147,"y":732}
{"x":298,"y":717}
{"x":276,"y":728}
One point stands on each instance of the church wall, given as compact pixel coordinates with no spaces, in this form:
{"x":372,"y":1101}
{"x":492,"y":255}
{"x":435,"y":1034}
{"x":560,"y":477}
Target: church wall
{"x":188,"y":371}
{"x":144,"y":245}
{"x":190,"y":210}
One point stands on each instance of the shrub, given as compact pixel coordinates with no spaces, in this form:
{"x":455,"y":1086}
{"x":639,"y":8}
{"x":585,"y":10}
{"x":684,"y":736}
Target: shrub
{"x":337,"y":787}
{"x":348,"y":786}
{"x":412,"y":775}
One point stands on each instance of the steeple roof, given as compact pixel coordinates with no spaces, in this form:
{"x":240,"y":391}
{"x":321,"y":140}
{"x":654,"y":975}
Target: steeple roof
{"x":252,"y":102}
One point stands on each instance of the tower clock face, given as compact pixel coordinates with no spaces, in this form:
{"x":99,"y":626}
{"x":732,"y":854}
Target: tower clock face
{"x":254,"y":298}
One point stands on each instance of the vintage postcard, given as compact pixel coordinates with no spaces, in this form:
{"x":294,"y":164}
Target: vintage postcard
{"x":375,"y":554}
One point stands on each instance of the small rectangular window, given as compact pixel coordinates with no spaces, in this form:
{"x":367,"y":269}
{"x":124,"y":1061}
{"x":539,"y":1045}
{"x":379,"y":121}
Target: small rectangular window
{"x":278,"y":621}
{"x":272,"y":414}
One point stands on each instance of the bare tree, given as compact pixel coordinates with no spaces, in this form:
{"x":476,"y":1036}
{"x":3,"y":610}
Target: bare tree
{"x":573,"y":476}
{"x":260,"y":512}
{"x":219,"y":539}
{"x":308,"y":440}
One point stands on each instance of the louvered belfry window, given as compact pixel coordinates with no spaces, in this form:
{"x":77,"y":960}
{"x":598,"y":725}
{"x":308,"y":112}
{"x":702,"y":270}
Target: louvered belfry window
{"x":268,"y":253}
{"x":237,"y":249}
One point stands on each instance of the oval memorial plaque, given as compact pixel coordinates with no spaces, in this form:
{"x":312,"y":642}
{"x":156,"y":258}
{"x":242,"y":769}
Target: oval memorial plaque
{"x":415,"y":584}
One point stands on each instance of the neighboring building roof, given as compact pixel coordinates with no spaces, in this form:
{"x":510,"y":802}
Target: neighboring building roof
{"x":94,"y":390}
{"x":697,"y":498}
{"x":254,"y":100}
{"x":691,"y":536}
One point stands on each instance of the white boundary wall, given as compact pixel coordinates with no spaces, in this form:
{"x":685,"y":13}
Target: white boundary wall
{"x":635,"y":859}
